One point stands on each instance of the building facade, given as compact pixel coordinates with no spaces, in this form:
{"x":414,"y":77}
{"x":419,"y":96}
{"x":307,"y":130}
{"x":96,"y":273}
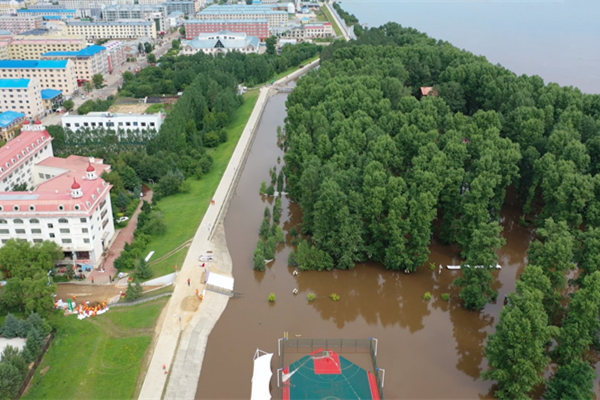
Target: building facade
{"x":115,"y":51}
{"x":31,"y":47}
{"x":258,"y":28}
{"x":88,"y":62}
{"x":121,"y":123}
{"x":221,"y":12}
{"x":20,"y":23}
{"x":220,"y":43}
{"x":69,"y":203}
{"x":22,"y":96}
{"x":156,"y":13}
{"x":50,"y":74}
{"x":310,"y":31}
{"x":131,"y":29}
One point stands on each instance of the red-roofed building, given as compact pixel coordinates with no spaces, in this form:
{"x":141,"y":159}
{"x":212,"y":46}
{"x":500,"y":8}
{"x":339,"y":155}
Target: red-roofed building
{"x":68,"y":202}
{"x":428,"y":91}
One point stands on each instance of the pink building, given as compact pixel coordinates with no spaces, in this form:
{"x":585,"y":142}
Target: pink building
{"x":66,"y":201}
{"x":251,"y":27}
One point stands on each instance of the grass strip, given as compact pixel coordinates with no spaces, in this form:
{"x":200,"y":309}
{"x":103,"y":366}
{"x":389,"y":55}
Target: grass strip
{"x":96,"y":358}
{"x":336,"y":27}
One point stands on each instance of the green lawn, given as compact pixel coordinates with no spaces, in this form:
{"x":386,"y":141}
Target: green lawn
{"x":184,"y":211}
{"x":336,"y":28}
{"x":165,"y":266}
{"x":96,"y":358}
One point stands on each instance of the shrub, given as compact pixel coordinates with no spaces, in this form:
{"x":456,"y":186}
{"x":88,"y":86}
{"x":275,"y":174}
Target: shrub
{"x":446,"y":296}
{"x":263,"y":188}
{"x":334,"y":297}
{"x":271,"y":297}
{"x":427,"y":296}
{"x":292,"y":259}
{"x":259,"y":256}
{"x":311,"y":297}
{"x":134,"y":291}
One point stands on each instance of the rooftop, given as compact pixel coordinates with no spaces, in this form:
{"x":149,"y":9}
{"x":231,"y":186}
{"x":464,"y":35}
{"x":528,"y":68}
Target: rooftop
{"x":7,"y":118}
{"x":49,"y":94}
{"x":14,"y":83}
{"x":226,"y":21}
{"x":110,"y":23}
{"x":33,"y":64}
{"x":86,"y":52}
{"x":47,"y":10}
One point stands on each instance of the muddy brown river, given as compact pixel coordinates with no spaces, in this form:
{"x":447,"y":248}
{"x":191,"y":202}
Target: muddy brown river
{"x":429,"y":349}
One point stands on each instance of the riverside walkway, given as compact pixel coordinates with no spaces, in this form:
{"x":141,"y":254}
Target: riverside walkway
{"x":185,"y":323}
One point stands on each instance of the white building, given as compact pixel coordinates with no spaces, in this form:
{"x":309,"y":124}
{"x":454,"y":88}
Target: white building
{"x":220,"y":42}
{"x":68,"y":204}
{"x":148,"y":123}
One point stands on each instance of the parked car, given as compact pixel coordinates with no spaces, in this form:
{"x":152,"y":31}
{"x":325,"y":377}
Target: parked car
{"x":122,"y":219}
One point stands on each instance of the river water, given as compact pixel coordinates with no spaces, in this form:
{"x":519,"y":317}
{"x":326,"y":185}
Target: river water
{"x":429,"y":349}
{"x":555,"y":39}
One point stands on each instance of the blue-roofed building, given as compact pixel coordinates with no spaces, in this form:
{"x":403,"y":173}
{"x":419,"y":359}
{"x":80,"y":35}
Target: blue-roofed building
{"x":10,"y":123}
{"x":88,"y":61}
{"x":49,"y":74}
{"x":64,"y":13}
{"x":21,"y":95}
{"x":52,"y":99}
{"x":221,"y":42}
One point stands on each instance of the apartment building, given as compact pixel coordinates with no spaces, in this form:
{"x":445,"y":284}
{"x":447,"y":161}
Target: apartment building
{"x":115,"y":54}
{"x":88,"y":62}
{"x":148,"y":123}
{"x":20,"y":23}
{"x":131,"y":29}
{"x":69,"y":203}
{"x":10,"y":7}
{"x":21,"y":95}
{"x":220,"y":43}
{"x":85,"y":8}
{"x":31,"y":47}
{"x":251,"y":27}
{"x":186,"y":7}
{"x":156,"y":13}
{"x":51,"y":74}
{"x":224,"y":12}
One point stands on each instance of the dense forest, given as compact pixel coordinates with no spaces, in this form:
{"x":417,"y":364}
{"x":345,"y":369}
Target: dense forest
{"x":380,"y":169}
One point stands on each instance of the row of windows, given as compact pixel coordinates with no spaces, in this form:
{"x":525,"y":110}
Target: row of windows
{"x":34,"y":231}
{"x":37,"y":221}
{"x":108,"y":124}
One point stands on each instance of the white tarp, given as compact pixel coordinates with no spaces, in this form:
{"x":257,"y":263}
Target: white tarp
{"x":217,"y":281}
{"x":261,"y":375}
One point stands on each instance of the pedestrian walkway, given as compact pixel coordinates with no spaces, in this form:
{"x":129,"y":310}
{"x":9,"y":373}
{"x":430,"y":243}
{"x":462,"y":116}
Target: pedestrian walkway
{"x":101,"y":275}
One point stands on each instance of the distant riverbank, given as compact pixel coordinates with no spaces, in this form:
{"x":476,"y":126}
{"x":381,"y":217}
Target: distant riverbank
{"x":557,"y":40}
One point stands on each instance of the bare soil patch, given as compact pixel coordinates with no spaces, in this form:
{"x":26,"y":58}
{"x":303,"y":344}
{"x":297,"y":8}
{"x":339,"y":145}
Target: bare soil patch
{"x":190,"y":303}
{"x":139,"y":108}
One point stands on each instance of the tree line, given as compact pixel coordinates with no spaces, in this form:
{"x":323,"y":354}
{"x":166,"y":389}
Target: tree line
{"x":380,"y":169}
